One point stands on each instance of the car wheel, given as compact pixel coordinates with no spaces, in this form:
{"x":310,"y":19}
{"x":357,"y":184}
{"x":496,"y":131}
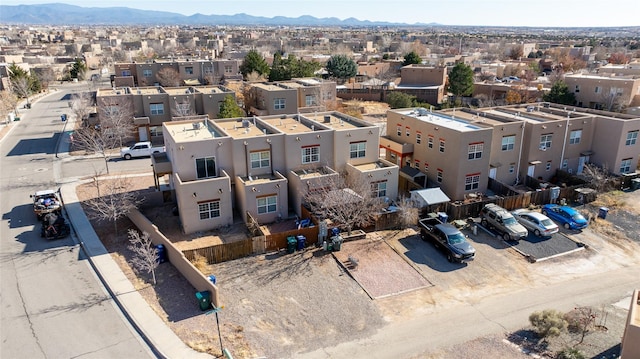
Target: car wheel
{"x":506,"y":237}
{"x":449,"y":258}
{"x":484,"y":223}
{"x":127,"y":156}
{"x":567,"y":226}
{"x":537,"y":233}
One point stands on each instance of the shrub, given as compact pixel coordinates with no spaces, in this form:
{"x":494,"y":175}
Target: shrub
{"x":548,"y":323}
{"x":570,"y":353}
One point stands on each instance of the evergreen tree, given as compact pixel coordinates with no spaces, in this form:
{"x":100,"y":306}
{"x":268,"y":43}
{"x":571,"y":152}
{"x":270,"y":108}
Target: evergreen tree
{"x":461,"y":80}
{"x":253,"y":61}
{"x":398,"y":99}
{"x":341,"y":67}
{"x":229,"y":108}
{"x":559,"y":93}
{"x":411,"y":59}
{"x":78,"y":69}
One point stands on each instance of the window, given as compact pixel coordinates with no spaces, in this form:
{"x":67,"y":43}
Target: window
{"x":311,"y":154}
{"x":548,"y":166}
{"x":625,"y":165}
{"x":577,"y":88}
{"x":418,"y":138}
{"x":156,"y":108}
{"x":260,"y":159}
{"x":439,"y":176}
{"x":183,"y":108}
{"x":408,"y":131}
{"x":267,"y":204}
{"x":279,"y":104}
{"x":475,"y":150}
{"x":441,"y":145}
{"x":126,"y":73}
{"x":155,"y":131}
{"x":209,"y":210}
{"x":545,"y":141}
{"x":426,"y":167}
{"x":208,"y":70}
{"x":565,"y":163}
{"x":416,"y":164}
{"x":188,"y":70}
{"x":512,"y":167}
{"x":399,"y":130}
{"x":379,"y":189}
{"x":430,"y":142}
{"x":632,"y":138}
{"x":598,"y":90}
{"x":205,"y":167}
{"x":357,"y":149}
{"x":508,"y":143}
{"x":147,"y":73}
{"x":574,"y":137}
{"x":310,"y":100}
{"x":472,"y":182}
{"x":228,"y":69}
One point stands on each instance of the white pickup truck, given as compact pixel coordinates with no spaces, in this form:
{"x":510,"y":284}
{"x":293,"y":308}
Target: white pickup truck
{"x":140,"y":149}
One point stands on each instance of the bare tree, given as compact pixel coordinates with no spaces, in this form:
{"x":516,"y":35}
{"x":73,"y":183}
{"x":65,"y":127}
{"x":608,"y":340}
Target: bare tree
{"x":81,"y":105}
{"x":611,"y":101}
{"x":22,"y":87}
{"x":8,"y":102}
{"x":168,"y":77}
{"x":115,"y":202}
{"x":581,"y":321}
{"x":408,"y":213}
{"x":145,"y":254}
{"x":183,"y":109}
{"x":346,"y":203}
{"x":597,"y":177}
{"x":100,"y":141}
{"x":117,"y":119}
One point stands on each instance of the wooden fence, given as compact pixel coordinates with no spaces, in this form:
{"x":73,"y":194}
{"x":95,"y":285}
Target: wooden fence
{"x":222,"y":252}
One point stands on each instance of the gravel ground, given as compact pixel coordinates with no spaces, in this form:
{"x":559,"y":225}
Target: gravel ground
{"x":277,"y":305}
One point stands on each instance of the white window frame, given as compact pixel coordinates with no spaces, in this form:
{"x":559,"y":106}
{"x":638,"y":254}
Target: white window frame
{"x":512,"y":167}
{"x":625,"y":165}
{"x":474,"y":151}
{"x":267,"y":204}
{"x":208,"y":210}
{"x":228,"y":69}
{"x":439,"y":175}
{"x":311,"y":154}
{"x":310,"y":100}
{"x":430,"y":142}
{"x":379,"y":189}
{"x":426,"y":167}
{"x":279,"y":103}
{"x":260,"y":159}
{"x":547,"y":166}
{"x":575,"y":136}
{"x":565,"y":163}
{"x":155,"y":131}
{"x":441,"y":146}
{"x":188,"y":70}
{"x":632,"y":138}
{"x":546,"y":140}
{"x":472,"y":182}
{"x":408,"y":131}
{"x":399,"y":130}
{"x":207,"y":161}
{"x":358,"y":149}
{"x":508,"y":142}
{"x":418,"y":138}
{"x":147,"y":73}
{"x":156,"y":108}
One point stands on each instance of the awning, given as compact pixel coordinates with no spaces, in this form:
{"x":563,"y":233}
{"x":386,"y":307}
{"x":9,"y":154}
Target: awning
{"x":535,"y":162}
{"x":586,"y":153}
{"x":429,"y":196}
{"x":496,"y":165}
{"x":193,"y":82}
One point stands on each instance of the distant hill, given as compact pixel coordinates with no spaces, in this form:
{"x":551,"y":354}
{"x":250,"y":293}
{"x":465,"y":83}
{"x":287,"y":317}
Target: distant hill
{"x":63,"y":14}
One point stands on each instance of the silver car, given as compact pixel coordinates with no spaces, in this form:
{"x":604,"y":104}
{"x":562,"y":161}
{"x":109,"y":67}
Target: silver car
{"x":536,"y":222}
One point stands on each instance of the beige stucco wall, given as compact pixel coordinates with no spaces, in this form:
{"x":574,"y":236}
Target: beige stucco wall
{"x":248,"y":192}
{"x":609,"y":142}
{"x":502,"y":160}
{"x":631,"y":338}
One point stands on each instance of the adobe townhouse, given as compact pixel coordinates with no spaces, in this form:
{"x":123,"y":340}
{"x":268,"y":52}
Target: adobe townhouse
{"x":606,"y":91}
{"x":303,"y":95}
{"x":190,"y":72}
{"x":263,"y":166}
{"x":458,"y":150}
{"x":151,"y":106}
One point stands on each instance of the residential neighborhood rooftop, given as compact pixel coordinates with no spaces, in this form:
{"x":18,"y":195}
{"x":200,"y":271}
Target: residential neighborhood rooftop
{"x":440,"y":119}
{"x":243,"y":128}
{"x":183,"y":131}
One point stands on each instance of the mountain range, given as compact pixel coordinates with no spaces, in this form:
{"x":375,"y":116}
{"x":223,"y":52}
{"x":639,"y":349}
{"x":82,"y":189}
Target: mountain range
{"x":64,"y":14}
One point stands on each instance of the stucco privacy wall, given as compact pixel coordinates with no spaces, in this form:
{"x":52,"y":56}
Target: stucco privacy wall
{"x":175,"y":256}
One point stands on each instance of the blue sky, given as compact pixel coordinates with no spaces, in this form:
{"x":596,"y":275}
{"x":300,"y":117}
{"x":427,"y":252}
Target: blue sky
{"x":552,"y":13}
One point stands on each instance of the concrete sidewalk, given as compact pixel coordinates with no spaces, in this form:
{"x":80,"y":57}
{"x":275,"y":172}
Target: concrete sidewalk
{"x":156,"y":333}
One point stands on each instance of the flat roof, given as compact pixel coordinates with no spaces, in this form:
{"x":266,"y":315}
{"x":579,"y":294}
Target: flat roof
{"x":448,"y":121}
{"x":183,"y":131}
{"x":210,"y":89}
{"x":371,"y":166}
{"x":269,"y":87}
{"x":291,"y":124}
{"x":178,"y":91}
{"x":243,"y":128}
{"x":336,"y":121}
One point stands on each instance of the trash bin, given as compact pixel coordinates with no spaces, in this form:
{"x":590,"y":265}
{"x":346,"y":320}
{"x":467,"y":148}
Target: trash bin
{"x":16,"y":118}
{"x":302,"y":242}
{"x":602,"y":212}
{"x":212,"y":279}
{"x":291,"y":244}
{"x":443,"y":217}
{"x":635,"y":184}
{"x":63,"y":117}
{"x":337,"y":243}
{"x":204,"y":299}
{"x":162,"y":253}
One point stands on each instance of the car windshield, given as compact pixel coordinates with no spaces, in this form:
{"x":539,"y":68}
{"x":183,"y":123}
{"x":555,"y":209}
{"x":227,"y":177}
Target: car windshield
{"x":578,"y":217}
{"x":509,"y":221}
{"x":546,"y":222}
{"x":456,"y":238}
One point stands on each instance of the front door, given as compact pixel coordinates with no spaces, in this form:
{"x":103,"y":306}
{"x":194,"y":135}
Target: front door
{"x":492,"y":172}
{"x":531,"y":170}
{"x":142,"y":131}
{"x":581,"y":162}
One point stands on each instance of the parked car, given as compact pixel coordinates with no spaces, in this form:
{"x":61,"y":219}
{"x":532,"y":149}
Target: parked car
{"x":140,"y":149}
{"x":448,"y":239}
{"x":568,"y":217}
{"x":45,"y":202}
{"x":494,"y":216}
{"x":536,"y":222}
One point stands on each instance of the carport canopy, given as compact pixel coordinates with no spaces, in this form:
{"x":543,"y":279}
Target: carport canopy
{"x":429,"y":196}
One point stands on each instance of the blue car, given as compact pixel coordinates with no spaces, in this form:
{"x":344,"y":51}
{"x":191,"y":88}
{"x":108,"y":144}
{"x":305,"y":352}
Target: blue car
{"x":565,"y":215}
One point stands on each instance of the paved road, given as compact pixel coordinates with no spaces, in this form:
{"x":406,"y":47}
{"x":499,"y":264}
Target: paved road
{"x":53,"y":305}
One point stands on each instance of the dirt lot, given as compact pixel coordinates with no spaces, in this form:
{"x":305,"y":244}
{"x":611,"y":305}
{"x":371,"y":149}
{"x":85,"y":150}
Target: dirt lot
{"x":277,"y":305}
